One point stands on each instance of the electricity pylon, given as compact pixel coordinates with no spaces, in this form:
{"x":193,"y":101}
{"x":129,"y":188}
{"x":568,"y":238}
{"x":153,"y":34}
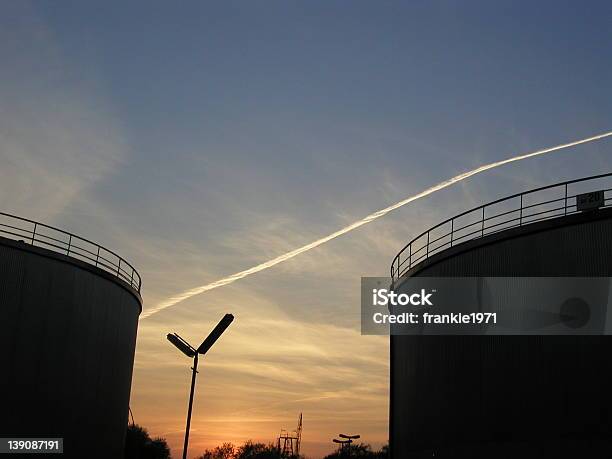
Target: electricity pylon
{"x":289,"y":442}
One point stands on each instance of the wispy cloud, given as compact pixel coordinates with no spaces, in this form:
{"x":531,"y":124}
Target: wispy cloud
{"x":58,"y":136}
{"x":359,"y":223}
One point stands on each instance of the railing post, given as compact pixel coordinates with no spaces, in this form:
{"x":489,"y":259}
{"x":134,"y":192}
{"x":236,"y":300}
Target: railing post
{"x":521,"y":212}
{"x":69,"y":243}
{"x":97,"y":256}
{"x":119,"y":267}
{"x":565,"y":204}
{"x":34,"y":233}
{"x":427,"y":251}
{"x":410,"y":256}
{"x":452,"y":230}
{"x":483,"y":220}
{"x":132,"y":278}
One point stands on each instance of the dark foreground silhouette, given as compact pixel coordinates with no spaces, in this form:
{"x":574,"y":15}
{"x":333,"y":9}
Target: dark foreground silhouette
{"x":252,"y":450}
{"x":360,"y":450}
{"x":138,"y":445}
{"x":248,"y":450}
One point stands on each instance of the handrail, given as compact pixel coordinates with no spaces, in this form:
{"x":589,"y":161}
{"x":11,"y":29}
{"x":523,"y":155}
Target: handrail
{"x":404,"y":261}
{"x":69,"y":244}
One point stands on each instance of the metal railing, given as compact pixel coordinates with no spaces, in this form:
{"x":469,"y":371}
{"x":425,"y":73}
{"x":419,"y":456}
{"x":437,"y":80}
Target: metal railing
{"x":552,"y":201}
{"x":60,"y":241}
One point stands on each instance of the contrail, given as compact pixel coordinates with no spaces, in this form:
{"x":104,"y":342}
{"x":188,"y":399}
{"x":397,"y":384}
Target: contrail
{"x":370,"y":218}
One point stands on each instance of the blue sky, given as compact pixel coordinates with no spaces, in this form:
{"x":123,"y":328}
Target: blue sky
{"x":201,"y":138}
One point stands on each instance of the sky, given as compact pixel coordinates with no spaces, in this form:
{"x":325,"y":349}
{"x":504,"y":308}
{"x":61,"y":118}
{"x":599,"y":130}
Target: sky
{"x":202,"y":138}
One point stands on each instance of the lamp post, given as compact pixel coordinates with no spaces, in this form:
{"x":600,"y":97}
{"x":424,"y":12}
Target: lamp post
{"x":191,"y":352}
{"x":342,"y":444}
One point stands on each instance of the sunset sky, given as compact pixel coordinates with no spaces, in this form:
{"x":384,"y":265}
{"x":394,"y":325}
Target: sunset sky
{"x":198,"y":139}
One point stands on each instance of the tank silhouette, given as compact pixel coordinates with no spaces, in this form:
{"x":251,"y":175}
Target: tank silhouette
{"x":511,"y":396}
{"x":69,"y":314}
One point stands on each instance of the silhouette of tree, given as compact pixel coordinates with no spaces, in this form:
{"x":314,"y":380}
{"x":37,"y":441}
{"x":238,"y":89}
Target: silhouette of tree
{"x":225,"y":451}
{"x":138,"y":445}
{"x":252,"y":450}
{"x":249,"y":450}
{"x":360,"y":450}
{"x":383,"y":453}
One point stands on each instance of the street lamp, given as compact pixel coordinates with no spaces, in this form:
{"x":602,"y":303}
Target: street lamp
{"x":346,"y":443}
{"x":350,"y":437}
{"x":191,"y":352}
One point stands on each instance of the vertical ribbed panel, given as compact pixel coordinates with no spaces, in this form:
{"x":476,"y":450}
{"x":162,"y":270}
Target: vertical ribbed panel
{"x":508,"y":396}
{"x":67,"y":341}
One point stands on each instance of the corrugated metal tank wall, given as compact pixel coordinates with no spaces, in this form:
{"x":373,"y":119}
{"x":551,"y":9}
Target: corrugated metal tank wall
{"x":67,"y":341}
{"x":512,"y":396}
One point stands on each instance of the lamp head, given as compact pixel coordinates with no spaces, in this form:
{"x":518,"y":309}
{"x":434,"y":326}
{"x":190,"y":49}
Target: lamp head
{"x":181,"y":344}
{"x":215,"y":334}
{"x":350,"y":437}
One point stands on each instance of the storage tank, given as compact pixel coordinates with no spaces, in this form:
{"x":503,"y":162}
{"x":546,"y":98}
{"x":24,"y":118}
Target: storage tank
{"x":508,"y":396}
{"x":69,"y":313}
